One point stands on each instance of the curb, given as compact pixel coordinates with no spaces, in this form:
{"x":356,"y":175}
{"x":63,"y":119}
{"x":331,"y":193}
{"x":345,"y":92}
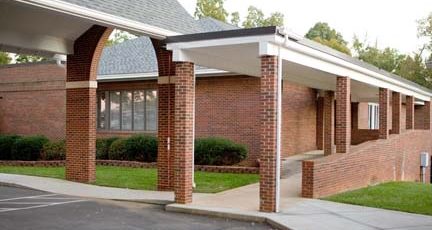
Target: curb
{"x":227,"y":213}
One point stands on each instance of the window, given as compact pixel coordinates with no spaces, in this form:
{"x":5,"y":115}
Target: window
{"x":373,"y":116}
{"x":127,"y":110}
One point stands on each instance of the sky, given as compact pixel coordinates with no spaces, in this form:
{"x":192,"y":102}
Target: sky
{"x":390,"y":23}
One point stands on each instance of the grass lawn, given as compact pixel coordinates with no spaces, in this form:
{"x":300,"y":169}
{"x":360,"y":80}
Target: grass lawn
{"x":143,"y":179}
{"x":401,"y":196}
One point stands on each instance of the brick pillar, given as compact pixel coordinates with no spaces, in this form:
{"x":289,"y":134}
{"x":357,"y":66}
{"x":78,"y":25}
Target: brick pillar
{"x":268,"y":90}
{"x":427,"y":115}
{"x":328,"y":122}
{"x":81,"y":104}
{"x":396,"y":113}
{"x":383,"y":113}
{"x":183,"y":131}
{"x":166,"y":95}
{"x":343,"y":114}
{"x":410,"y":112}
{"x":320,"y":123}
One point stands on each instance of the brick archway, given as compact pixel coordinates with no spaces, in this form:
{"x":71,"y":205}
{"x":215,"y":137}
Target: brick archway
{"x":81,"y":88}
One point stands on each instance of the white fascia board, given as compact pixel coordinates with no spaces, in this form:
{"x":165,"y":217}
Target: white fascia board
{"x":101,"y":17}
{"x":154,"y":75}
{"x":307,"y":56}
{"x":44,"y":43}
{"x":220,"y":42}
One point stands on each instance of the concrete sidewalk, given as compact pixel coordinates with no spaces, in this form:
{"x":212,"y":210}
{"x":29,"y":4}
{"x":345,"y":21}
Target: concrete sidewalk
{"x":86,"y":190}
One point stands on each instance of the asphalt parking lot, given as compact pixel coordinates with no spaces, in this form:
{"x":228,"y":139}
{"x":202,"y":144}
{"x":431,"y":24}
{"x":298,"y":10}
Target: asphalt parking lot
{"x":22,"y":208}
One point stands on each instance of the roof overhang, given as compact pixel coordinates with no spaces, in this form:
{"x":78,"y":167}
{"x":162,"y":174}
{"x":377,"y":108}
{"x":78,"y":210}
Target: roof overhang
{"x":47,"y":27}
{"x":304,"y":62}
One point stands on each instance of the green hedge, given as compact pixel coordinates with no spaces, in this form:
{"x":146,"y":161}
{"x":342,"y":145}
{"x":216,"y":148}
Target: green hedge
{"x":54,"y":151}
{"x":208,"y":151}
{"x":28,"y":148}
{"x":218,"y":151}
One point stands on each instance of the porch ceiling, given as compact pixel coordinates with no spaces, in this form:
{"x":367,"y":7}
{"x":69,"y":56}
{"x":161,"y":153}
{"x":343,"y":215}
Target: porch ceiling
{"x":304,"y":62}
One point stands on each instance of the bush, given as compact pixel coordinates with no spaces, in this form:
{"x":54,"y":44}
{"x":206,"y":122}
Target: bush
{"x":218,"y":151}
{"x":103,"y":146}
{"x":141,"y":148}
{"x":54,"y":151}
{"x":28,"y":148}
{"x":117,"y":150}
{"x":6,"y":143}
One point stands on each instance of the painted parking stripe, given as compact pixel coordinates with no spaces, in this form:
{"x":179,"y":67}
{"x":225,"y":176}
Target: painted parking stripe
{"x":42,"y":206}
{"x":28,"y":197}
{"x":7,"y":202}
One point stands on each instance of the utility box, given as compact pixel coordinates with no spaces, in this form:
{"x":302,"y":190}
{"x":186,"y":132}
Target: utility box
{"x":424,"y":159}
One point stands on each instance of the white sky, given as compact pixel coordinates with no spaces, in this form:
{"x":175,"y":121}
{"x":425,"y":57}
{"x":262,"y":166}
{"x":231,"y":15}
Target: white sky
{"x":390,"y":22}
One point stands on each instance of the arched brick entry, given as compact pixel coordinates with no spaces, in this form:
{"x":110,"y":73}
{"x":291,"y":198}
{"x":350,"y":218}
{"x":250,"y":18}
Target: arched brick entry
{"x":81,"y":104}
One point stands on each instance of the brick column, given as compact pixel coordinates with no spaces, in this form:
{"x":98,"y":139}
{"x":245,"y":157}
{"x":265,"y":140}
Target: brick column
{"x":166,"y":99}
{"x":410,"y":112}
{"x":320,"y":124}
{"x":183,"y":131}
{"x":268,"y":89}
{"x":343,"y":114}
{"x":81,"y":104}
{"x":328,"y":122}
{"x":383,"y":113}
{"x":396,"y":113}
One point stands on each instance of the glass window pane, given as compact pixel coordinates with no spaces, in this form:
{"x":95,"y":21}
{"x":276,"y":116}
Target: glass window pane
{"x":102,"y":110}
{"x":139,"y":110}
{"x":115,"y":110}
{"x":126,"y":112}
{"x":151,"y":110}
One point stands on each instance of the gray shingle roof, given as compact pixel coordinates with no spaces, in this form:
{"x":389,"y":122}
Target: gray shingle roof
{"x":166,"y":14}
{"x":138,"y":55}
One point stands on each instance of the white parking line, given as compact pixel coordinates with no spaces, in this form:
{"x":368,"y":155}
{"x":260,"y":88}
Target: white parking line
{"x":7,"y":202}
{"x":28,"y":197}
{"x":41,"y":206}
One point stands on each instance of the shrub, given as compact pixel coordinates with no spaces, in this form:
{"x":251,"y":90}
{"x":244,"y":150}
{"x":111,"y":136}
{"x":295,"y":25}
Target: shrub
{"x":103,"y":146}
{"x":218,"y":151}
{"x":6,"y":143}
{"x":117,"y":150}
{"x":141,"y":148}
{"x":54,"y":151}
{"x":28,"y":148}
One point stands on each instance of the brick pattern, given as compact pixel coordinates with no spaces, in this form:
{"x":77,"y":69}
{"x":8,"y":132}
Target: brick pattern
{"x":81,"y":105}
{"x":354,"y":115}
{"x":166,"y":103}
{"x":410,"y":112}
{"x":328,"y":122}
{"x":359,"y":136}
{"x":269,"y":72}
{"x":427,"y":115}
{"x":343,"y":115}
{"x":384,"y":112}
{"x":320,"y":123}
{"x":183,"y":131}
{"x":396,"y":113}
{"x":394,"y":159}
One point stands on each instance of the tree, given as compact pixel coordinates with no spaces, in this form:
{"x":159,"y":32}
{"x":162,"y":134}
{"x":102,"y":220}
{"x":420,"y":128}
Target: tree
{"x":424,"y":29}
{"x":118,"y":37}
{"x":322,"y":33}
{"x":24,"y":58}
{"x":414,"y":69}
{"x":235,"y":18}
{"x":256,"y":18}
{"x":211,"y":8}
{"x":4,"y":58}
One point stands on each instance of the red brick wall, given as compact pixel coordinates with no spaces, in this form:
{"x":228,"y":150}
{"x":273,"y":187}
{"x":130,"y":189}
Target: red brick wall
{"x":397,"y":158}
{"x":225,"y":106}
{"x":33,"y":100}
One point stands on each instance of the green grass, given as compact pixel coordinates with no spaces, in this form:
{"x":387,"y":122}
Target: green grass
{"x":142,"y":179}
{"x":400,"y":196}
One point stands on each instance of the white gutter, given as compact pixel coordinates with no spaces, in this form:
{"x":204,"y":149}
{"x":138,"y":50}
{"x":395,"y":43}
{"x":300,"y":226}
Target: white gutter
{"x":100,"y":17}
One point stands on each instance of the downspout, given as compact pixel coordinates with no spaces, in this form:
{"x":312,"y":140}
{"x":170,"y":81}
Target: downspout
{"x":278,"y":130}
{"x":193,"y":135}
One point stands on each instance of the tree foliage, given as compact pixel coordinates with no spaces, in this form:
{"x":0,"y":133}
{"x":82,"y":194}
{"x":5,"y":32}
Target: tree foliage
{"x":4,"y":58}
{"x":256,"y":18}
{"x":25,"y":58}
{"x":118,"y":37}
{"x":322,"y":33}
{"x":425,"y":30}
{"x":211,"y":8}
{"x":235,"y":18}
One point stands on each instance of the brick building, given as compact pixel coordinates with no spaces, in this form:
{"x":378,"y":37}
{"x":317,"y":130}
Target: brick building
{"x":277,"y":92}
